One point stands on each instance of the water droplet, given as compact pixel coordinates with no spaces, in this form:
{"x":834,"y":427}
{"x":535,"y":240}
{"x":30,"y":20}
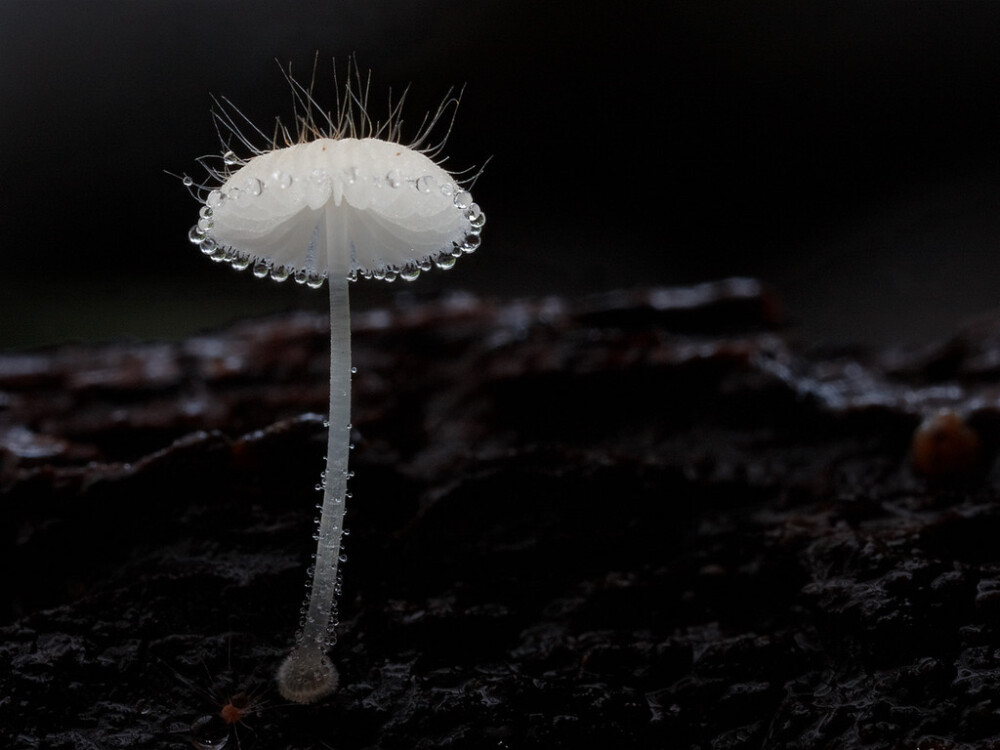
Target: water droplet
{"x":280,"y":273}
{"x":241,"y":262}
{"x":445,"y":261}
{"x":463,"y":199}
{"x":393,"y":178}
{"x":209,"y":733}
{"x":342,"y":558}
{"x":409,"y":273}
{"x":253,"y":186}
{"x":229,"y":158}
{"x":208,"y":246}
{"x":391,"y":274}
{"x":426,"y":264}
{"x":196,"y":235}
{"x":378,"y":273}
{"x":319,"y":487}
{"x":205,"y":212}
{"x":475,"y":216}
{"x":187,"y":181}
{"x":282,"y":179}
{"x":472,"y":241}
{"x":315,"y":280}
{"x":354,"y":371}
{"x":448,"y":189}
{"x":215,"y":199}
{"x":426,"y":183}
{"x":205,"y":224}
{"x":260,"y":269}
{"x":346,"y":532}
{"x":301,"y":275}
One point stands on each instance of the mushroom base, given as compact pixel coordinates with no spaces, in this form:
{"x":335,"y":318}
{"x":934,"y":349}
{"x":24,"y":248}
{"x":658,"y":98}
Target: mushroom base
{"x":306,"y":676}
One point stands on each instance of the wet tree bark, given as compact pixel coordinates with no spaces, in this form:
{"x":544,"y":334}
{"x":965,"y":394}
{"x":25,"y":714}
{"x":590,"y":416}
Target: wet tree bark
{"x":639,"y":520}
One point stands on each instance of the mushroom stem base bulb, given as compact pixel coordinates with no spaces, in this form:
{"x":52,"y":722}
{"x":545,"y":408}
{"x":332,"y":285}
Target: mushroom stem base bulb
{"x":306,"y":676}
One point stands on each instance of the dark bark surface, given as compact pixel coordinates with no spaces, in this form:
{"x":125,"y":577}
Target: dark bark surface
{"x":640,"y":520}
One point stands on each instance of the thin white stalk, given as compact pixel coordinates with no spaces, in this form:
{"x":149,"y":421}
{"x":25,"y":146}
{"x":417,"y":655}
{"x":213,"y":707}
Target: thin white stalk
{"x":307,"y":674}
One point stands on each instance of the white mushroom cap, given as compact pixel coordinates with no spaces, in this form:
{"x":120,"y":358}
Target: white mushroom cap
{"x":394,"y":209}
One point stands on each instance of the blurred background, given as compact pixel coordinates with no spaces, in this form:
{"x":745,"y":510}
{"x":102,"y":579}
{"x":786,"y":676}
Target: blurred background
{"x":846,"y":152}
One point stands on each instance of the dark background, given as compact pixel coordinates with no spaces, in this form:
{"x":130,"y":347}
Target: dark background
{"x":846,"y":152}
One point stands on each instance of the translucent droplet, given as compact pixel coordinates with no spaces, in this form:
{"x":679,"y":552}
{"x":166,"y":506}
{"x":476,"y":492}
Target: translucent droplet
{"x":229,"y":158}
{"x":314,"y":280}
{"x":301,"y":275}
{"x":472,"y":241}
{"x":209,"y":733}
{"x":205,"y":212}
{"x":448,"y":189}
{"x":426,"y":264}
{"x":475,"y":216}
{"x":187,"y":181}
{"x":208,"y":246}
{"x":241,"y":262}
{"x":196,"y":234}
{"x":280,"y":273}
{"x":463,"y":199}
{"x":282,"y":179}
{"x":426,"y":183}
{"x":445,"y":261}
{"x":215,"y":199}
{"x":409,"y":273}
{"x":393,"y":178}
{"x":204,"y":224}
{"x":378,"y":273}
{"x":253,"y":186}
{"x":391,"y":274}
{"x":342,"y":558}
{"x":260,"y":269}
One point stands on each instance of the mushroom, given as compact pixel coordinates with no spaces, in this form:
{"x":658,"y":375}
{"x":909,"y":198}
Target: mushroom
{"x":343,"y":198}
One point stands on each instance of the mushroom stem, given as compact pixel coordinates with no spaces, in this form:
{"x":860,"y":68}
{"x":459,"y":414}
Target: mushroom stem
{"x":307,"y":675}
